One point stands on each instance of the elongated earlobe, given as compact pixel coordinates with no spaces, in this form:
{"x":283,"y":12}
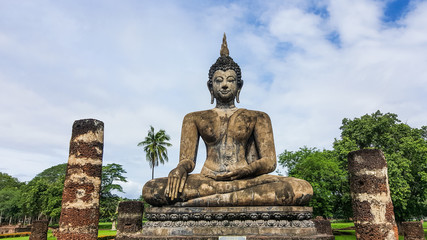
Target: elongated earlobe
{"x":212,"y":97}
{"x":237,"y":96}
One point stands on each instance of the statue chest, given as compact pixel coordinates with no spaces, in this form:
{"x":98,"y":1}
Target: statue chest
{"x":226,"y":131}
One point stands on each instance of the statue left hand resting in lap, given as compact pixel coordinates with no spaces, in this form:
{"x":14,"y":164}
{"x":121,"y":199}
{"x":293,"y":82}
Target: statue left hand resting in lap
{"x":240,"y":153}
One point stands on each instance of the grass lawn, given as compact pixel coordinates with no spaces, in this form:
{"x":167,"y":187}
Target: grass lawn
{"x":350,"y":234}
{"x":339,"y":234}
{"x":101,"y":232}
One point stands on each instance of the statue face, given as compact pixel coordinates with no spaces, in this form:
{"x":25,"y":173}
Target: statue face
{"x":224,"y":85}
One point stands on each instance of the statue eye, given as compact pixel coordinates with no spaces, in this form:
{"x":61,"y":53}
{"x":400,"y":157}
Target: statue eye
{"x":218,"y":79}
{"x":231,"y":79}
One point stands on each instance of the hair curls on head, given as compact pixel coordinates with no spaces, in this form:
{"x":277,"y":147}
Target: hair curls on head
{"x":224,"y":63}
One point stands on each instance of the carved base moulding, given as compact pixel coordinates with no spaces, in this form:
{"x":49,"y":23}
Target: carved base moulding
{"x":256,"y":222}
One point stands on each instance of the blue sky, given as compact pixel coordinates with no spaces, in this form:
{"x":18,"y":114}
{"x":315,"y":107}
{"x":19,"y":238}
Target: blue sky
{"x":132,"y":64}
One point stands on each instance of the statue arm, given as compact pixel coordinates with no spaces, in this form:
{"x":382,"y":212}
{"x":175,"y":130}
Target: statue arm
{"x":263,"y":134}
{"x":187,"y":157}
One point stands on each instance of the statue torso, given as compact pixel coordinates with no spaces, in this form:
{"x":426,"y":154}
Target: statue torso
{"x":228,"y":138}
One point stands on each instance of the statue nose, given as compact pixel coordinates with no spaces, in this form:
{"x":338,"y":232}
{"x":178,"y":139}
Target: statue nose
{"x":224,"y":86}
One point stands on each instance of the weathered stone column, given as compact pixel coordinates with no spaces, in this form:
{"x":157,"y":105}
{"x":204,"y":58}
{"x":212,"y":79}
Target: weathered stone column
{"x":80,"y":199}
{"x":370,"y":193}
{"x":129,"y":221}
{"x":413,"y":231}
{"x":39,"y":230}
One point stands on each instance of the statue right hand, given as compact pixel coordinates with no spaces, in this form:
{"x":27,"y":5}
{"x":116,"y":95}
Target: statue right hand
{"x":176,"y":181}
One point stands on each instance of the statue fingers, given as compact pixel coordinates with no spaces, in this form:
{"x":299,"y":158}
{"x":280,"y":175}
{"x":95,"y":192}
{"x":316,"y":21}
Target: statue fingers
{"x":175,"y":179}
{"x":167,"y":187}
{"x":181,"y":185}
{"x":178,"y":183}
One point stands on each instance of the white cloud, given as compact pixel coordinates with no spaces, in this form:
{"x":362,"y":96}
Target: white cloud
{"x":136,"y":64}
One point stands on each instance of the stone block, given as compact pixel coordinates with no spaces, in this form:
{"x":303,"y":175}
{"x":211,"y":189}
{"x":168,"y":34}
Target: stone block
{"x":39,"y":230}
{"x":413,"y":230}
{"x":323,"y":226}
{"x":130,"y":216}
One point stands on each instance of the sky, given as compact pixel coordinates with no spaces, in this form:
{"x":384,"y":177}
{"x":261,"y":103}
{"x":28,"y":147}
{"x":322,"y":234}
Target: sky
{"x":136,"y":63}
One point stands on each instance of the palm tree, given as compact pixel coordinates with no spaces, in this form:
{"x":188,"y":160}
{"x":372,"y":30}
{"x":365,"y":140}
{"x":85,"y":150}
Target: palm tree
{"x":155,"y":148}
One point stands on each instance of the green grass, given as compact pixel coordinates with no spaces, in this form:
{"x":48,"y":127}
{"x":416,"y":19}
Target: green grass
{"x":336,"y":225}
{"x":351,"y":235}
{"x":339,"y":234}
{"x":51,"y":237}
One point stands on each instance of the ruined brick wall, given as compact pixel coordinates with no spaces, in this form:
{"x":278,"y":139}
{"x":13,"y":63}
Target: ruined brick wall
{"x":39,"y":230}
{"x":370,"y":193}
{"x":80,"y":199}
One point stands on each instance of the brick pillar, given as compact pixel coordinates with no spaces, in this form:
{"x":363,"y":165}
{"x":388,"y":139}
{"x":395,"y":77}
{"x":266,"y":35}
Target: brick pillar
{"x":413,"y":231}
{"x":370,"y":193}
{"x":80,"y":199}
{"x":130,"y":218}
{"x":39,"y":230}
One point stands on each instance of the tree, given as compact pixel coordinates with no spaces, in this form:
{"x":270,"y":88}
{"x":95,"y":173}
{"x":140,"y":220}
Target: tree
{"x":111,"y":174}
{"x":54,"y":173}
{"x":329,"y":180}
{"x":7,"y":181}
{"x":405,"y":149}
{"x":155,"y":144}
{"x":10,"y":195}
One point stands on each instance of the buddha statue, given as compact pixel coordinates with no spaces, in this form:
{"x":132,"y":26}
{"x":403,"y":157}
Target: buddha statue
{"x":240,"y":154}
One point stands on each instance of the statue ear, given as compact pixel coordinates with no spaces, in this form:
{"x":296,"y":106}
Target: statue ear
{"x":237,"y":95}
{"x":212,"y":96}
{"x":211,"y":91}
{"x":238,"y":91}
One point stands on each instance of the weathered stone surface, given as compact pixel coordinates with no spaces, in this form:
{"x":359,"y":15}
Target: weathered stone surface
{"x":323,"y":226}
{"x":284,"y":221}
{"x":130,"y":216}
{"x":249,"y":237}
{"x":264,"y":190}
{"x":80,"y":198}
{"x":228,"y":213}
{"x":39,"y":230}
{"x":240,"y":152}
{"x":413,"y":230}
{"x":372,"y":206}
{"x":233,"y":194}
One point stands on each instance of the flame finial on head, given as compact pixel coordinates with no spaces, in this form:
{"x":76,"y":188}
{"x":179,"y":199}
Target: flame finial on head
{"x":224,"y":49}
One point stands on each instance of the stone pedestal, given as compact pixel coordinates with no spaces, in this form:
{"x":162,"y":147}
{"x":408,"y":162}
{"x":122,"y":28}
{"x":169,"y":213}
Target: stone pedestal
{"x":80,"y":199}
{"x":257,"y":222}
{"x":413,"y":231}
{"x":39,"y":230}
{"x":370,"y":193}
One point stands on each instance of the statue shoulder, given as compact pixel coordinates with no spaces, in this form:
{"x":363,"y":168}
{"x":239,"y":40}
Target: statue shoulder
{"x":257,"y":114}
{"x":199,"y":114}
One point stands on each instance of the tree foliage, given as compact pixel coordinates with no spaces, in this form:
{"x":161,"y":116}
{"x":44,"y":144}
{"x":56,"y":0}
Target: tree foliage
{"x":155,"y":144}
{"x":405,"y":149}
{"x":328,"y":179}
{"x":109,"y":201}
{"x":42,"y":196}
{"x":10,"y":195}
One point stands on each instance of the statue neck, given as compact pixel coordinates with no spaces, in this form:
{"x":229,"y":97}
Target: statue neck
{"x":225,"y":105}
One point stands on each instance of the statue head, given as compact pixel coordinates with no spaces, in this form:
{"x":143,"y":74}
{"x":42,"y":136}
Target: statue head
{"x":225,"y":63}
